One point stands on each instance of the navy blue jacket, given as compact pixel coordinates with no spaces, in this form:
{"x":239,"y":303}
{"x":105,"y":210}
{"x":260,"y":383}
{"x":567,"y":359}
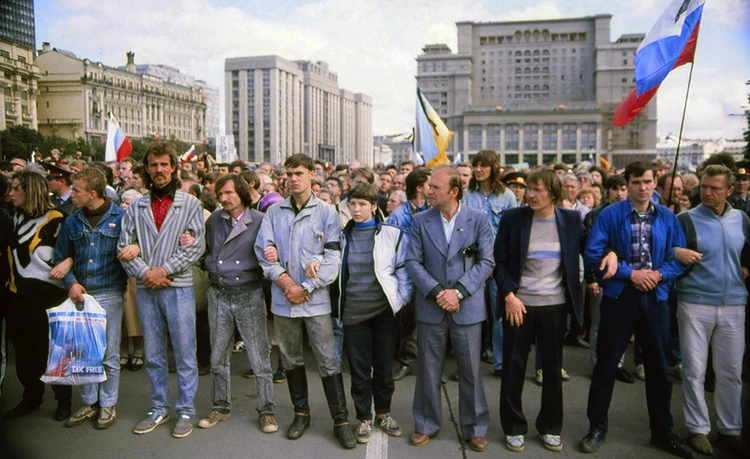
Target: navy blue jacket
{"x":512,"y":247}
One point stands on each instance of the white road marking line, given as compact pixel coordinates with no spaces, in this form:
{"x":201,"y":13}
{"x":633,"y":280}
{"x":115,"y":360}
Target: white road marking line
{"x":377,"y":447}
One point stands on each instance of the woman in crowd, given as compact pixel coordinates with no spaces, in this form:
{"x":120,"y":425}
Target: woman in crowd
{"x":35,"y":227}
{"x":589,"y":197}
{"x":374,"y":286}
{"x":132,"y":333}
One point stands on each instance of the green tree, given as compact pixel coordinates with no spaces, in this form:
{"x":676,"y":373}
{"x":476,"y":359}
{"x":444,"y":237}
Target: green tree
{"x":139,"y":150}
{"x":20,"y":141}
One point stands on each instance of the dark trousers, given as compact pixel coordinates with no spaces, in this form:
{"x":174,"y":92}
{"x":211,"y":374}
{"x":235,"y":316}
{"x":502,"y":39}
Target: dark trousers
{"x":407,"y":332}
{"x":28,"y":329}
{"x":370,"y":346}
{"x":649,"y":318}
{"x":203,"y":338}
{"x":546,"y":325}
{"x":674,"y":356}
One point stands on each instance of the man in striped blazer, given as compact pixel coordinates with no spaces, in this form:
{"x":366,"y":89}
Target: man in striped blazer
{"x":163,"y":270}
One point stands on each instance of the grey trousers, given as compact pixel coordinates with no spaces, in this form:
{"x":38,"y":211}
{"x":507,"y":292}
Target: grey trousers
{"x":248,"y":312}
{"x":722,"y":328}
{"x":472,"y":406}
{"x":288,"y":332}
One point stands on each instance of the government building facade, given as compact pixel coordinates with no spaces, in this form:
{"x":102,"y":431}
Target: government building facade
{"x":538,"y":92}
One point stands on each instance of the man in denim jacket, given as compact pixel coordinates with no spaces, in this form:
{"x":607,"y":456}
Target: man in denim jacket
{"x":89,"y":237}
{"x":299,"y":250}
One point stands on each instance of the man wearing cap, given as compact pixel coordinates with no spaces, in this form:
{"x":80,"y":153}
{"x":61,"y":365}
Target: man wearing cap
{"x":739,"y":199}
{"x":18,"y":164}
{"x":58,"y":180}
{"x":516,"y":182}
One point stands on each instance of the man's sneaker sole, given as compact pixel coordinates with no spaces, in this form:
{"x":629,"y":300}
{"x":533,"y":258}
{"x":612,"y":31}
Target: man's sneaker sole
{"x":157,"y":423}
{"x":551,"y":447}
{"x":184,"y":434}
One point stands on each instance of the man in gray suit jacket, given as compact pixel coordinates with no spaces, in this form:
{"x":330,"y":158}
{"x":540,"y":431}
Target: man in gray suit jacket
{"x":449,"y":261}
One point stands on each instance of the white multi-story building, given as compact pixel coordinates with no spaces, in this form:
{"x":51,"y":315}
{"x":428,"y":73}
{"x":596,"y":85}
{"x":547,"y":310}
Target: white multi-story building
{"x":695,"y":151}
{"x":276,"y":107}
{"x":173,"y":75}
{"x":538,"y":91}
{"x":399,"y":147}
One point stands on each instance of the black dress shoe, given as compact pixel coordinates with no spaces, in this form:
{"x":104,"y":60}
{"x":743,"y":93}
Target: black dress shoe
{"x":280,"y":376}
{"x":623,"y":375}
{"x":204,"y":369}
{"x":591,"y":441}
{"x":402,"y":372}
{"x":62,"y":413}
{"x":22,"y":409}
{"x":671,"y":444}
{"x":488,"y":357}
{"x":345,"y":435}
{"x":299,"y":424}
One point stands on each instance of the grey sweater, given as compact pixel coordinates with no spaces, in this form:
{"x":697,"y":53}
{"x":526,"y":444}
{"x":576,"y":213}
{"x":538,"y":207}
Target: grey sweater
{"x":364,"y":298}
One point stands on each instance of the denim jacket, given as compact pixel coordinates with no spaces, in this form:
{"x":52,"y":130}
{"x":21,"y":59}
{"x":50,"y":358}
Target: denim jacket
{"x":94,"y":252}
{"x":493,"y":205}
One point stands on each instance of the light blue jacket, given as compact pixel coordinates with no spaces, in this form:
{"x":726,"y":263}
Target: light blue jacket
{"x":493,"y":205}
{"x":312,"y":234}
{"x":717,"y":278}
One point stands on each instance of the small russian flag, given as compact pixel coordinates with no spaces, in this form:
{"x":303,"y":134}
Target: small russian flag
{"x":118,"y":146}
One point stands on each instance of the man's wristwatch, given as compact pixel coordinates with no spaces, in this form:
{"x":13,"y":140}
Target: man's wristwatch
{"x":459,"y":294}
{"x":305,"y":290}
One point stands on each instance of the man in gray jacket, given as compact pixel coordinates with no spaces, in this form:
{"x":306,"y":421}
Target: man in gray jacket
{"x":163,"y":270}
{"x":235,"y":298}
{"x":299,"y":250}
{"x":449,"y":261}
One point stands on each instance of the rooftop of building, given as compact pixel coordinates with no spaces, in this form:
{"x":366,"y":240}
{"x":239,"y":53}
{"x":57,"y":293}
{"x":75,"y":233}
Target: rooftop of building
{"x":539,"y":21}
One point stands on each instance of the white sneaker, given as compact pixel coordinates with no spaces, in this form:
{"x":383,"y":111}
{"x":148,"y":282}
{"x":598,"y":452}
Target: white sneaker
{"x":363,"y":432}
{"x":552,"y":442}
{"x":640,"y":372}
{"x":514,"y":443}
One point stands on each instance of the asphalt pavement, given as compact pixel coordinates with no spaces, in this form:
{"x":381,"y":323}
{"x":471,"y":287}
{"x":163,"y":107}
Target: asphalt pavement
{"x":37,"y":435}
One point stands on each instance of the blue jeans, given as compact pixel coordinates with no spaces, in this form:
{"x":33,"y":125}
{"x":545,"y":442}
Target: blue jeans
{"x":497,"y":326}
{"x":106,"y":392}
{"x":338,"y":337}
{"x":169,"y":310}
{"x":246,"y":311}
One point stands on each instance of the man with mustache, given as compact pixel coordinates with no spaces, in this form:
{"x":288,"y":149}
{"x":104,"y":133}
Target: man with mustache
{"x":163,"y":269}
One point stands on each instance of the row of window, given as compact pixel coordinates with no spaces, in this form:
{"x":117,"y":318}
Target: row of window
{"x":569,"y":136}
{"x":528,"y":36}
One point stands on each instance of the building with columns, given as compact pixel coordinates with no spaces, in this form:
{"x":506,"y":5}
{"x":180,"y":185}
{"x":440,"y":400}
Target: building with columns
{"x":276,"y":108}
{"x":19,"y":77}
{"x":76,"y":96}
{"x":538,"y":91}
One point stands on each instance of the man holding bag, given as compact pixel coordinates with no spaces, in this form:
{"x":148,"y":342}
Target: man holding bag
{"x":89,"y":237}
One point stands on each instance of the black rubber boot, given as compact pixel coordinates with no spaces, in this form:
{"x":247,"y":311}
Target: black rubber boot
{"x":297,"y":383}
{"x":334,"y":389}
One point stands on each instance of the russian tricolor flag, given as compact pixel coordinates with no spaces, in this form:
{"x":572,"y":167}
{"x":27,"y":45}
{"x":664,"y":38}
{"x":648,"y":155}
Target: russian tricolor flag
{"x":118,"y":146}
{"x":669,"y":44}
{"x":188,"y":155}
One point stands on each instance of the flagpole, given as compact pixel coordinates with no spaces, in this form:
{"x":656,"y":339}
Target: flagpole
{"x":679,"y":139}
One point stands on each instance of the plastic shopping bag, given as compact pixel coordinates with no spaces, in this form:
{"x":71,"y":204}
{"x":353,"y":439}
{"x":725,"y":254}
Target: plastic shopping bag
{"x":77,"y":341}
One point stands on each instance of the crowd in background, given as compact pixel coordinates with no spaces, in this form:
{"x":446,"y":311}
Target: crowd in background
{"x":397,"y":265}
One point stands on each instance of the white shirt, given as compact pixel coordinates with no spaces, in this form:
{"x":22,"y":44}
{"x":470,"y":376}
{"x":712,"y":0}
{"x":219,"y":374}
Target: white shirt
{"x":449,"y":225}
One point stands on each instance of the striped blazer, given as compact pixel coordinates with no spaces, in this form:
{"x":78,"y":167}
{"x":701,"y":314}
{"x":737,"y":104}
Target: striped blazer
{"x":162,"y":248}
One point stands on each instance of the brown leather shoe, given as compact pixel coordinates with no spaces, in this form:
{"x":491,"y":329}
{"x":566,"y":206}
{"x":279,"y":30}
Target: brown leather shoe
{"x":418,"y":439}
{"x":478,"y":444}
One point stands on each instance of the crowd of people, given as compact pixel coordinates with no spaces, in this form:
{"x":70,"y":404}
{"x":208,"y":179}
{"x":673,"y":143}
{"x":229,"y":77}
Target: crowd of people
{"x":397,"y":266}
